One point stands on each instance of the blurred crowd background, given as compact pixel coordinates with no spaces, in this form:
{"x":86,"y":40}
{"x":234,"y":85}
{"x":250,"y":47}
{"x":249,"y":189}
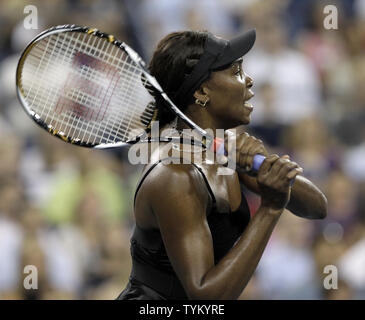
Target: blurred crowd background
{"x":68,"y":210}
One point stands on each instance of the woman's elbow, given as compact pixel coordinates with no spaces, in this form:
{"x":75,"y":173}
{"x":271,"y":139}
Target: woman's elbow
{"x":322,"y":207}
{"x":209,"y":292}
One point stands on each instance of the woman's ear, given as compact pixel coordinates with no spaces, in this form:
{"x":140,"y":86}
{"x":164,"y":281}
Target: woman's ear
{"x":201,"y":95}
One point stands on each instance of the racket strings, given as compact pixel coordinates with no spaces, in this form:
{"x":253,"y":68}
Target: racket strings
{"x":126,"y":97}
{"x":97,"y":98}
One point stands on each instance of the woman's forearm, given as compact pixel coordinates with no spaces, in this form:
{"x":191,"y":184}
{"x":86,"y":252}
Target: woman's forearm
{"x":230,"y":276}
{"x":306,"y":200}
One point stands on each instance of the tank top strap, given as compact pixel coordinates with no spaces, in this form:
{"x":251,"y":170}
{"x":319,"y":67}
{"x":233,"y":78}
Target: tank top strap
{"x":206,"y":182}
{"x":200,"y":170}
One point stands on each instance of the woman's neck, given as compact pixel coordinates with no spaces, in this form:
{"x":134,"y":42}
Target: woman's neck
{"x":202,"y":118}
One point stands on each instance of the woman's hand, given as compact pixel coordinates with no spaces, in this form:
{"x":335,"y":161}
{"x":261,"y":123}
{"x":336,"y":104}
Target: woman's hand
{"x":246,"y":147}
{"x":275,"y":174}
{"x":274,"y":180}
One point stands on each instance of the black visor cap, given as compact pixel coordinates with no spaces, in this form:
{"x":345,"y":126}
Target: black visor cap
{"x":235,"y":49}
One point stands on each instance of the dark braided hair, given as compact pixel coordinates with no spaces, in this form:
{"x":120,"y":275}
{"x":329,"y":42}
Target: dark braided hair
{"x":174,"y":58}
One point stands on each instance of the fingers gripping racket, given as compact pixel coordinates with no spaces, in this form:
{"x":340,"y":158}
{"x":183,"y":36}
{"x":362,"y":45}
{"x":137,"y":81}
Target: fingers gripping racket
{"x":89,"y":89}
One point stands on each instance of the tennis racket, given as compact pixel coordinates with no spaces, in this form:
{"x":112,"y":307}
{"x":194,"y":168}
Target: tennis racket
{"x":92,"y":90}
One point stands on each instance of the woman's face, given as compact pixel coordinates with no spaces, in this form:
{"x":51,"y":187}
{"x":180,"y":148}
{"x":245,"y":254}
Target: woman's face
{"x":229,"y":91}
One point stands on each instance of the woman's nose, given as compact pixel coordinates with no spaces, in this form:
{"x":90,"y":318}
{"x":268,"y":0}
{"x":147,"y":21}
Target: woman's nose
{"x":249,"y":81}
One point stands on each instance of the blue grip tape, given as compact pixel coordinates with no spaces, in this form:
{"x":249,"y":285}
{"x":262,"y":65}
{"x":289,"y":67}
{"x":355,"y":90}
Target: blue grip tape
{"x":257,"y":162}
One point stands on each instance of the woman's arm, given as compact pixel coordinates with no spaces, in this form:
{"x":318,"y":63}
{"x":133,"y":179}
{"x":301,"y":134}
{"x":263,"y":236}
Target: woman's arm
{"x":179,"y":204}
{"x":306,"y":200}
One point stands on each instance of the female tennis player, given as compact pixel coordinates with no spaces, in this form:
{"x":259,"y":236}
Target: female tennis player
{"x":194,"y":236}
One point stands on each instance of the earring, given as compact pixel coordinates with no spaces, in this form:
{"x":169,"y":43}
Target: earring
{"x":201,"y":103}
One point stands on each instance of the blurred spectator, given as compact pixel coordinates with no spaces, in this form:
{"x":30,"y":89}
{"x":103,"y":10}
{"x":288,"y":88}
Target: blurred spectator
{"x":287,"y":270}
{"x":292,"y":76}
{"x":359,"y":8}
{"x":159,"y":17}
{"x":310,"y":144}
{"x":11,"y":238}
{"x":352,"y":269}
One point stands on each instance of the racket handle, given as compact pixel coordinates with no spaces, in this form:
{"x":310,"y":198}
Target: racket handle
{"x":258,"y":159}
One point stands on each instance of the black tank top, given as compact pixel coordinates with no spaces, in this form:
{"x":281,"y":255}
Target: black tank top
{"x":153,"y":276}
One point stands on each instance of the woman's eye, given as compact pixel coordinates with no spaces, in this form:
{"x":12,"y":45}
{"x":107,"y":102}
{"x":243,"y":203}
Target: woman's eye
{"x":238,"y":72}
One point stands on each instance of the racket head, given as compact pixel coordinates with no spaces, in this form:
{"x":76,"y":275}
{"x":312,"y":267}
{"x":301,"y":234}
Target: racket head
{"x":85,"y":87}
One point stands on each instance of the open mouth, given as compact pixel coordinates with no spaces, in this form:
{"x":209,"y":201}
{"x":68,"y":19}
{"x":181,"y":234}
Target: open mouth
{"x":248,"y":105}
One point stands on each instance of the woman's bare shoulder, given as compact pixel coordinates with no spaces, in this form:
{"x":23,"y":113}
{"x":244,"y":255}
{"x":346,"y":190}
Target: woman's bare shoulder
{"x":171,"y":180}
